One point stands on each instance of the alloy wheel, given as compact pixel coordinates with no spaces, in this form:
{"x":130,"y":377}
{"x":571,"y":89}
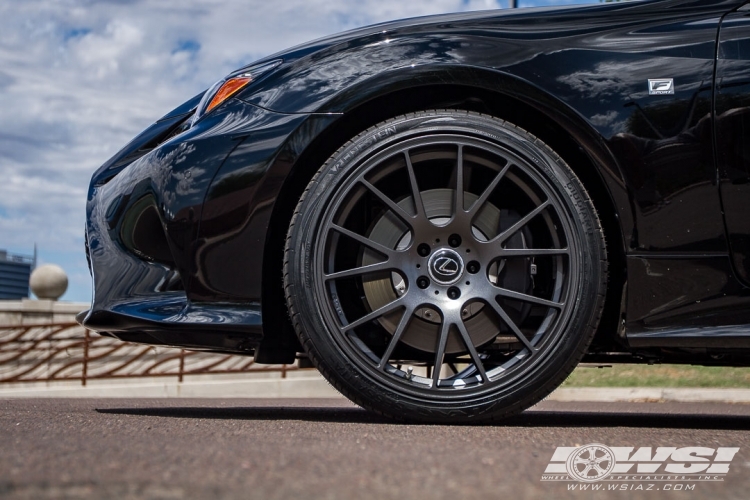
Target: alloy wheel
{"x":446,"y":265}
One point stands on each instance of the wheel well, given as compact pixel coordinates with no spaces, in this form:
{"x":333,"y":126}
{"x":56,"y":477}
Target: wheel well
{"x":276,"y":323}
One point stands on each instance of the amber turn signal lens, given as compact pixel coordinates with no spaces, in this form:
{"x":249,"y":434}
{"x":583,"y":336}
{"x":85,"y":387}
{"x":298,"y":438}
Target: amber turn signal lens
{"x":230,"y":87}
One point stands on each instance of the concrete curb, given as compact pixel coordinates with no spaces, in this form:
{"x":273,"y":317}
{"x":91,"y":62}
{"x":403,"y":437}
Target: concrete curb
{"x":299,"y":387}
{"x":651,"y":394}
{"x":314,"y":386}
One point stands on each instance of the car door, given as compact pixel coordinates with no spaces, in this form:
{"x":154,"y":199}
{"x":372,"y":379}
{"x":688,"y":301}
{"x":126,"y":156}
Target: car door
{"x":732,"y":132}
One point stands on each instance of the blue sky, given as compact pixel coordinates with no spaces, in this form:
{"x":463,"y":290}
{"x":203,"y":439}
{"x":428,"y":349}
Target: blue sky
{"x":80,"y":78}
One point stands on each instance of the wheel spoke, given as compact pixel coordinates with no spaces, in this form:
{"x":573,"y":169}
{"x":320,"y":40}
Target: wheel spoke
{"x":500,"y":238}
{"x":504,"y":292}
{"x":479,"y":203}
{"x":393,"y":206}
{"x":363,"y":240}
{"x":418,"y":205}
{"x":531,"y":252}
{"x":358,"y":271}
{"x":400,"y":329}
{"x":391,"y":306}
{"x":472,"y":350}
{"x":440,"y":352}
{"x":512,"y":325}
{"x":460,"y":180}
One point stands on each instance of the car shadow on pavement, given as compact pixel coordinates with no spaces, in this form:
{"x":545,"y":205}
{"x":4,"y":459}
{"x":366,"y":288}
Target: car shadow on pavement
{"x":320,"y":414}
{"x":558,"y":417}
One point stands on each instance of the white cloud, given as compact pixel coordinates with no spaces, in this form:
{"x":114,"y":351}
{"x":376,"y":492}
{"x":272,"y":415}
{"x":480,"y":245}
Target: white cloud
{"x":79,"y":78}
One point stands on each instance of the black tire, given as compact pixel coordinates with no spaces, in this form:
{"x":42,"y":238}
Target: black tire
{"x":518,"y":326}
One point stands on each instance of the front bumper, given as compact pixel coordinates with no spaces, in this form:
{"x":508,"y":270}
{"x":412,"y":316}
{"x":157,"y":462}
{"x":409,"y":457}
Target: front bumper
{"x":142,"y":235}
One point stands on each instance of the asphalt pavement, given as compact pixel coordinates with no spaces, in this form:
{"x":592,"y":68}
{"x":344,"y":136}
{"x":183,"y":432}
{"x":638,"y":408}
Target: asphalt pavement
{"x":330,"y":449}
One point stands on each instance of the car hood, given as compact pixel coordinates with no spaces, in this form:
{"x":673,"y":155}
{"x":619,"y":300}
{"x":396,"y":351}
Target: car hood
{"x":524,"y":19}
{"x":428,"y":23}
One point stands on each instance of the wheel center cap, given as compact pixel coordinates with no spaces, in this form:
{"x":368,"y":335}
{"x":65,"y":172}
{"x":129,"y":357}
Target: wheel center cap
{"x":445,"y":266}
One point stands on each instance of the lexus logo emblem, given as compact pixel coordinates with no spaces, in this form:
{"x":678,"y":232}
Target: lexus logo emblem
{"x":445,"y":266}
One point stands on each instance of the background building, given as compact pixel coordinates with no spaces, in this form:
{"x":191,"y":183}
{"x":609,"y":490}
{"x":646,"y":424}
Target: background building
{"x":15,"y":271}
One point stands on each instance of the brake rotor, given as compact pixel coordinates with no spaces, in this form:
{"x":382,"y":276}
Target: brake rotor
{"x":422,"y":331}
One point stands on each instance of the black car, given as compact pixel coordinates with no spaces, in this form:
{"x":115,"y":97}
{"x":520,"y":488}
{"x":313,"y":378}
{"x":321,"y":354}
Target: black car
{"x":447,"y":214}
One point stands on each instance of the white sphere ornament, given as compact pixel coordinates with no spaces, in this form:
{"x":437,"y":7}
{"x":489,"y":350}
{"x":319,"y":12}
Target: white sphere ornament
{"x":48,"y":281}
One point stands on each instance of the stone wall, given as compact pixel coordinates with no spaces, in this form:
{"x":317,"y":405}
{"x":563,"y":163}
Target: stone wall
{"x":38,"y":312}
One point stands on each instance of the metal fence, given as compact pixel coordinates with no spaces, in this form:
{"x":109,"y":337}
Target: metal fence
{"x":67,"y":351}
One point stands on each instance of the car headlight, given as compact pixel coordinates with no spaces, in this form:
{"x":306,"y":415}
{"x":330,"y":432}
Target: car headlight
{"x":227,"y":87}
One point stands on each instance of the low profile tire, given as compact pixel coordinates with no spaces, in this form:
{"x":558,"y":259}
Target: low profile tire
{"x":445,"y":266}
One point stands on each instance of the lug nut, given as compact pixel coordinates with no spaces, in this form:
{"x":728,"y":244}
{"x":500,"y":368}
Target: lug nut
{"x":473,"y":267}
{"x":454,"y":293}
{"x":423,"y":282}
{"x":423,"y":249}
{"x":454,"y":240}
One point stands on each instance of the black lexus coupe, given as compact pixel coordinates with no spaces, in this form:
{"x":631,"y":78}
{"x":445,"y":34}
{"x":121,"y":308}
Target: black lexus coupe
{"x":445,"y":215}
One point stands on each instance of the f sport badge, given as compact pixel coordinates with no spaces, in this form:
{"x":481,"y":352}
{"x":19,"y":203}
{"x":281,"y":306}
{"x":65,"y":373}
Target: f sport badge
{"x":660,"y":86}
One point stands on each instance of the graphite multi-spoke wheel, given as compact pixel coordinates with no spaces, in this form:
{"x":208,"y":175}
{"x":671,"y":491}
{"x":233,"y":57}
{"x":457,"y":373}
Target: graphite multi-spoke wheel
{"x":445,"y":266}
